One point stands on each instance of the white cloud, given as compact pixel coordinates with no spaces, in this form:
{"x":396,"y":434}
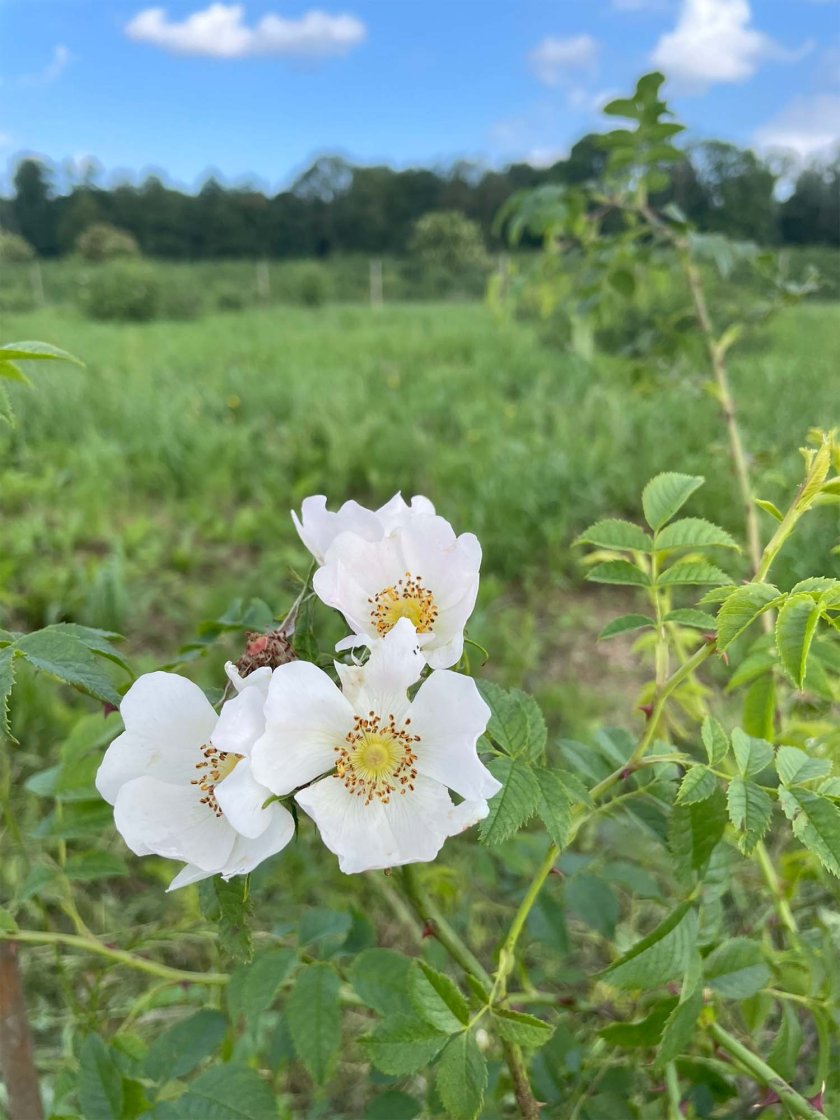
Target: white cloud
{"x":714,"y":41}
{"x":220,"y":31}
{"x":808,"y":126}
{"x":555,"y":60}
{"x":61,"y":56}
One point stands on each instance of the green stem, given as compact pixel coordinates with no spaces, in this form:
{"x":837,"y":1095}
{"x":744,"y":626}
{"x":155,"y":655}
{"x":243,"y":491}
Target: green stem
{"x":795,"y":1103}
{"x":525,"y":1099}
{"x":771,"y":878}
{"x":672,"y":1085}
{"x":508,"y":949}
{"x":119,"y":956}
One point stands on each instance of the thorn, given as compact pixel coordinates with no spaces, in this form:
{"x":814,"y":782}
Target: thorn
{"x":108,"y":708}
{"x":724,"y":656}
{"x":428,"y":930}
{"x":647,"y":709}
{"x":709,"y":637}
{"x":766,"y":1101}
{"x":818,"y":1102}
{"x":556,"y":872}
{"x":626,"y":772}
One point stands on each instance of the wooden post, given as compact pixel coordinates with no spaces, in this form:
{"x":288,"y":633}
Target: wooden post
{"x":263,"y":282}
{"x":376,"y":282}
{"x":17,"y":1059}
{"x":37,"y":282}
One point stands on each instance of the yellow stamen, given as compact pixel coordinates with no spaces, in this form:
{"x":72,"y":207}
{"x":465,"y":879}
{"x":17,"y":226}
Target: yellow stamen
{"x":377,"y":758}
{"x":217,"y":765}
{"x":407,"y":598}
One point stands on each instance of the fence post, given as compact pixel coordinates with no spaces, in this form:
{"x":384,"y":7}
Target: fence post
{"x":37,"y":282}
{"x":263,"y":282}
{"x":376,"y":299}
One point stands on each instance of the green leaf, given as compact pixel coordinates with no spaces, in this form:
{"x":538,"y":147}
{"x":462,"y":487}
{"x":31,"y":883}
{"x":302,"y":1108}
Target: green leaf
{"x":625,"y":624}
{"x":642,"y":1033}
{"x":36,"y":351}
{"x":393,"y":1105}
{"x":380,"y":978}
{"x":759,"y":708}
{"x":437,"y":999}
{"x":693,"y":532}
{"x":594,"y":902}
{"x":715,"y":740}
{"x":622,"y":536}
{"x":742,"y":607}
{"x":313,"y":1014}
{"x":100,"y":1081}
{"x":737,"y":969}
{"x":403,"y":1044}
{"x":554,"y":804}
{"x":514,"y":804}
{"x":659,"y":957}
{"x":698,"y":784}
{"x":752,"y":755}
{"x":88,"y":866}
{"x":692,"y":573}
{"x":666,"y":494}
{"x":619,"y":572}
{"x":815,"y":585}
{"x":524,"y":1030}
{"x":253,"y":986}
{"x":694,"y":831}
{"x":65,"y":657}
{"x":624,"y":282}
{"x":9,"y":371}
{"x":223,"y":1092}
{"x":178,"y":1050}
{"x":229,"y":905}
{"x":687,"y":616}
{"x":516,"y":723}
{"x":7,"y":681}
{"x":462,"y":1077}
{"x":816,"y":823}
{"x":795,"y":766}
{"x":750,"y":810}
{"x":768,"y":507}
{"x":679,"y":1029}
{"x":795,"y":628}
{"x":787,"y":1046}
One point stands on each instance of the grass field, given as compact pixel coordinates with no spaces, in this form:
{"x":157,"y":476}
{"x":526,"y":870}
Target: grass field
{"x":150,"y":489}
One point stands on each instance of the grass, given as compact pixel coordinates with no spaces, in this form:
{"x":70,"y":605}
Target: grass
{"x":151,"y":489}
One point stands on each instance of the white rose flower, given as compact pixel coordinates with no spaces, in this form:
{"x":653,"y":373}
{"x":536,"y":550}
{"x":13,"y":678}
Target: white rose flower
{"x":318,"y":527}
{"x":421,"y":572}
{"x":180,"y":778}
{"x":389,"y":762}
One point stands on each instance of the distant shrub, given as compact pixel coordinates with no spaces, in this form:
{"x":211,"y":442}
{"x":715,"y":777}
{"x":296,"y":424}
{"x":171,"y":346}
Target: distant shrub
{"x":231,"y":299}
{"x":104,"y":242}
{"x":178,"y":301}
{"x":312,"y":287}
{"x":127,"y":291}
{"x":448,"y":240}
{"x":14,"y":249}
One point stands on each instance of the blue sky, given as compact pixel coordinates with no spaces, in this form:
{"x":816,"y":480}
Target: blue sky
{"x":253,"y":91}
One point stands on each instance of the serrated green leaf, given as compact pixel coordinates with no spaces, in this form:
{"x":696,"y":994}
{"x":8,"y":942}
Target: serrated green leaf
{"x":618,"y":572}
{"x":10,"y":371}
{"x":313,"y":1013}
{"x":100,"y":1081}
{"x":690,"y":573}
{"x":229,"y":905}
{"x":693,"y":532}
{"x":224,"y":1092}
{"x":815,"y":585}
{"x":787,"y":1045}
{"x":795,"y":766}
{"x":679,"y":1029}
{"x":514,"y":804}
{"x":178,"y":1050}
{"x":554,"y":804}
{"x":666,"y":494}
{"x":380,"y":977}
{"x":593,"y":901}
{"x":393,"y":1105}
{"x":742,"y":607}
{"x":437,"y":999}
{"x":698,"y":784}
{"x":659,"y":957}
{"x":622,"y":536}
{"x":253,"y":986}
{"x":36,"y":352}
{"x":462,"y":1077}
{"x":759,"y":707}
{"x":68,"y":659}
{"x":752,"y":755}
{"x":522,"y":1029}
{"x":403,"y":1044}
{"x":816,"y":823}
{"x":750,"y":810}
{"x":642,"y":1033}
{"x":737,"y":969}
{"x":625,"y":624}
{"x":687,"y":616}
{"x":795,"y":629}
{"x":694,"y":831}
{"x":7,"y":681}
{"x":715,"y":740}
{"x":516,"y":723}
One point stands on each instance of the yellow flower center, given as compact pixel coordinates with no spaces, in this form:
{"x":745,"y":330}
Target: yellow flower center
{"x":407,"y":598}
{"x":377,"y":758}
{"x":216,"y":765}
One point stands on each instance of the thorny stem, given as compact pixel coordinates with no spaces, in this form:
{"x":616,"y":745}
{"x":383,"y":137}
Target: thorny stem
{"x":431,"y":917}
{"x":17,"y":1059}
{"x":796,"y":1104}
{"x":528,"y":1104}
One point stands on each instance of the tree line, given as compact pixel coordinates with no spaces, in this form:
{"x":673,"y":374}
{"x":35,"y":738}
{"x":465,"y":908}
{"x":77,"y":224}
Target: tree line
{"x":336,"y":207}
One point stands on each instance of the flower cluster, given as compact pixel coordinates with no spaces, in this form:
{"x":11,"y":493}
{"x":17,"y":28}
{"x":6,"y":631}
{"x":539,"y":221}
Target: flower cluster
{"x":372,"y":762}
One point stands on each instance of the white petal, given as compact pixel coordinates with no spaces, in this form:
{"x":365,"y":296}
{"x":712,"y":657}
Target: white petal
{"x":317,"y":527}
{"x":422,"y":820}
{"x":447,"y":655}
{"x":241,"y":722}
{"x":394,"y":665}
{"x":152,"y":816}
{"x":306,"y":719}
{"x":449,"y":715}
{"x":395,"y":513}
{"x":241,"y":799}
{"x":260,"y":677}
{"x":248,"y":853}
{"x":167,"y":720}
{"x":467,"y":814}
{"x":358,"y":834}
{"x":189,"y":873}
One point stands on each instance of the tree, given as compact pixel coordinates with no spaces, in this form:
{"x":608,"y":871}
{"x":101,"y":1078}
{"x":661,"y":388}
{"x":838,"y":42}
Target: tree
{"x":446,"y":239}
{"x":104,"y":242}
{"x":33,"y":213}
{"x":812,"y":213}
{"x":14,"y":249}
